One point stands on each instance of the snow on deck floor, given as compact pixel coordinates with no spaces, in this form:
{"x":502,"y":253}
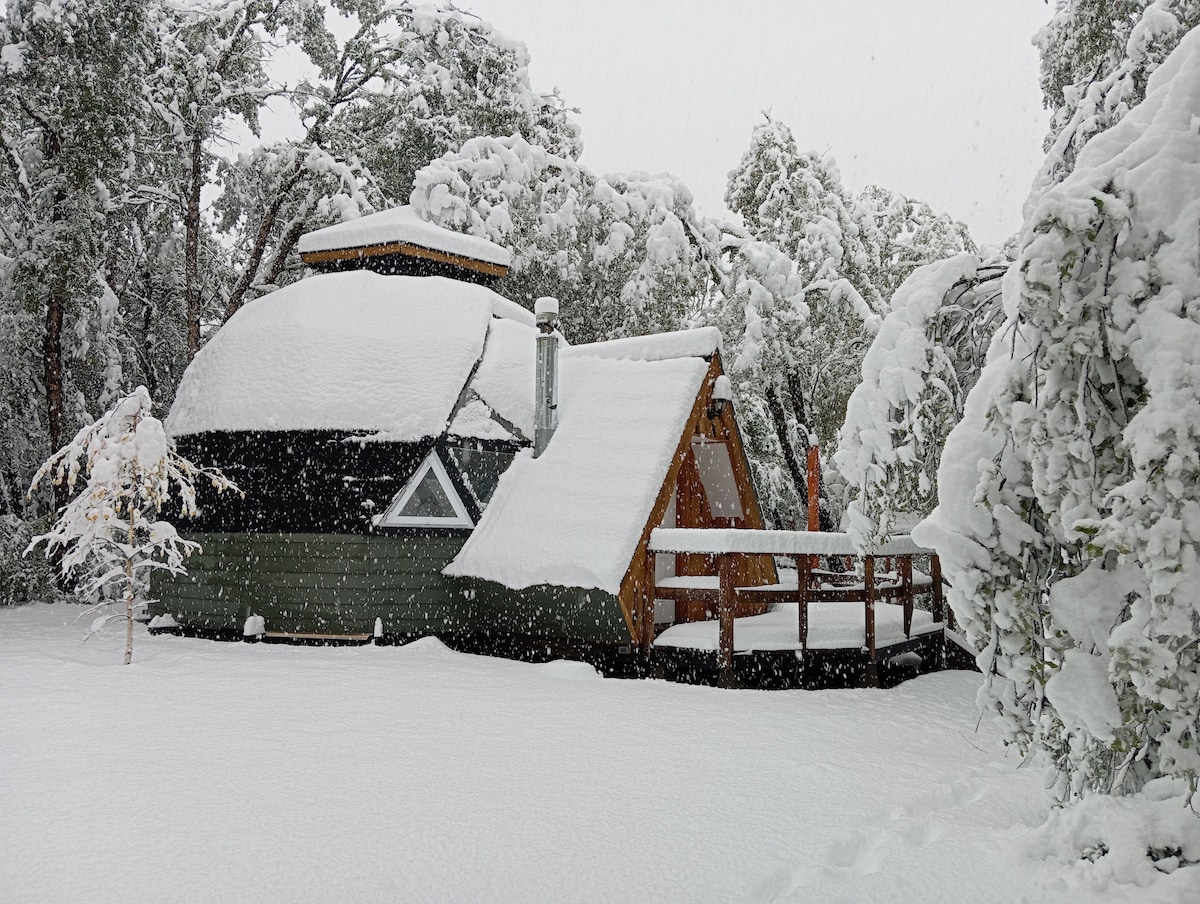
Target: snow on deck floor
{"x":234,"y":772}
{"x":831,"y":626}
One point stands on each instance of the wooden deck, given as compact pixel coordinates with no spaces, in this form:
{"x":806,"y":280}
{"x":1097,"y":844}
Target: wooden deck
{"x":831,"y":626}
{"x":869,"y":609}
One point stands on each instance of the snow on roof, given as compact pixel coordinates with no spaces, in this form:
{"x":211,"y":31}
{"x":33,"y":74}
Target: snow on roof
{"x":504,"y":380}
{"x":346,"y":351}
{"x":402,"y":225}
{"x":699,"y":343}
{"x":573,"y":516}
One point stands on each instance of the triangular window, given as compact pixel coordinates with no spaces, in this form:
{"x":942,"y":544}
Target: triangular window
{"x":428,"y":500}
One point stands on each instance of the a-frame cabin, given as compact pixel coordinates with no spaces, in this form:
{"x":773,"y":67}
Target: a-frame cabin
{"x":643,"y":441}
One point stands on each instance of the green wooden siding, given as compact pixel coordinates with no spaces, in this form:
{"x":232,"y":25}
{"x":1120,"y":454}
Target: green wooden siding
{"x":340,"y":583}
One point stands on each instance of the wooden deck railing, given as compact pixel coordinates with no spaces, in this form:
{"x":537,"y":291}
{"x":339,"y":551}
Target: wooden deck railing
{"x":812,"y":585}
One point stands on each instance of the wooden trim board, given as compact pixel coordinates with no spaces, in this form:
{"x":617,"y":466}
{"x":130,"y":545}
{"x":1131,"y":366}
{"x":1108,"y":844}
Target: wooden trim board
{"x":442,"y":257}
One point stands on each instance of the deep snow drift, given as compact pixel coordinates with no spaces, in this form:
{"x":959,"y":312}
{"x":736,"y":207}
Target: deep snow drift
{"x":234,"y":772}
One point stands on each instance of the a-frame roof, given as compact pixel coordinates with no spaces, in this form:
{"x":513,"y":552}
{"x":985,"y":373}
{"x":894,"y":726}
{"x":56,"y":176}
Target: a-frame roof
{"x":574,"y":516}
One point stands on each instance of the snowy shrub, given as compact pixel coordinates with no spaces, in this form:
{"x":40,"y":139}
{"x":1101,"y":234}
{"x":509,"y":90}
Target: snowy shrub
{"x":110,"y":533}
{"x":1069,"y":498}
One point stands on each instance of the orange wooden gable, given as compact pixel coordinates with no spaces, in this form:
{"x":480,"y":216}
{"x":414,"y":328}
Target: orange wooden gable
{"x":682,"y":486}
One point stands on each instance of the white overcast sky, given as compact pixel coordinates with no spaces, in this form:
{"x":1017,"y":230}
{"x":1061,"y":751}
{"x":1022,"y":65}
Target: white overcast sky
{"x":937,"y":99}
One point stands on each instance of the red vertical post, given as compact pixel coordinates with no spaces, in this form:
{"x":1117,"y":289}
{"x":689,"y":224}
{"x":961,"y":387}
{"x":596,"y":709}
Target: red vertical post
{"x":814,"y":488}
{"x":869,"y":588}
{"x":646,"y":626}
{"x":939,"y":601}
{"x":814,"y":494}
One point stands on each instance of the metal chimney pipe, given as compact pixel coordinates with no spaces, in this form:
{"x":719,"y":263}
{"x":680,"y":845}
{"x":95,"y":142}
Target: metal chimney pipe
{"x":545,"y":415}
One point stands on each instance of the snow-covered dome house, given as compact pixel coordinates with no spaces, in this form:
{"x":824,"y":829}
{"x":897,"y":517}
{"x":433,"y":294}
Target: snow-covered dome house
{"x":380,"y":427}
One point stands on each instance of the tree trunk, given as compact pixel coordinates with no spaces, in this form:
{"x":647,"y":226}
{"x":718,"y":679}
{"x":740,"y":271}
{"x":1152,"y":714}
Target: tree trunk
{"x":286,"y":244}
{"x":796,"y":392}
{"x":261,"y":237}
{"x":191,"y":264}
{"x":790,"y":461}
{"x":52,"y":374}
{"x":129,"y":617}
{"x":130,"y":586}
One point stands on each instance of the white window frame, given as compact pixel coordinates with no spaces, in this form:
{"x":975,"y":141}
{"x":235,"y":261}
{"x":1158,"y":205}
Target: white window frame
{"x":433,"y":462}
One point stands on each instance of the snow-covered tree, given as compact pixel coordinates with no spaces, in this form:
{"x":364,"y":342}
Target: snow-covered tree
{"x":628,"y":253}
{"x":763,"y":314}
{"x":214,"y":68}
{"x":902,"y":234}
{"x":454,"y":77}
{"x":1069,"y":510}
{"x":795,"y":202}
{"x":915,"y":378}
{"x":71,"y":100}
{"x":1097,"y":57}
{"x":111,"y":533}
{"x":411,"y":83}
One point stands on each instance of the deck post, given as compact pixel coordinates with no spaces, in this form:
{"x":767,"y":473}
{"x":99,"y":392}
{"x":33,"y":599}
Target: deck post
{"x":803,"y":580}
{"x":869,"y":594}
{"x":727,"y":572}
{"x":906,"y":592}
{"x":646,"y":627}
{"x":939,"y":604}
{"x":939,"y":599}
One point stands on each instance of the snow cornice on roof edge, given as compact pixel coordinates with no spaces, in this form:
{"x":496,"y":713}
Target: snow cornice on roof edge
{"x":702,"y":342}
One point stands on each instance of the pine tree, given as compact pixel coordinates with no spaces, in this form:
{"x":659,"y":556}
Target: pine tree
{"x":111,"y":531}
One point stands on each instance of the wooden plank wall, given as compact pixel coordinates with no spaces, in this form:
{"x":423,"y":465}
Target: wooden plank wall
{"x":339,"y":584}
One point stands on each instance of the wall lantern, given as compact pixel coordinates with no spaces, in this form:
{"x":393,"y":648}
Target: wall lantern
{"x":721,"y":396}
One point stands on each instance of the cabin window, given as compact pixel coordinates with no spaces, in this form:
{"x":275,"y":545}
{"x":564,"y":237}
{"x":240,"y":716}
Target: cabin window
{"x":428,"y":500}
{"x":481,"y":469}
{"x":716,"y":473}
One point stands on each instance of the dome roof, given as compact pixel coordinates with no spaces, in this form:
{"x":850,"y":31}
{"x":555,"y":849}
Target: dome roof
{"x":357,"y":351}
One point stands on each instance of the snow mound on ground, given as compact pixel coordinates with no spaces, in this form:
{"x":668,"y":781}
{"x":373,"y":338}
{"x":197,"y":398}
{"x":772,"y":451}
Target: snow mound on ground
{"x":1109,"y":846}
{"x":569,"y":670}
{"x":427,"y":646}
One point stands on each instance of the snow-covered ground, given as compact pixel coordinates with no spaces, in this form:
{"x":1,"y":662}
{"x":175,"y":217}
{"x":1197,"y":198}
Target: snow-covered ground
{"x":233,"y":772}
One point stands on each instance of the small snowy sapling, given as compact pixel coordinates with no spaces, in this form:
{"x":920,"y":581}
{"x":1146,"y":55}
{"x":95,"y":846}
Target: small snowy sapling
{"x":110,"y":533}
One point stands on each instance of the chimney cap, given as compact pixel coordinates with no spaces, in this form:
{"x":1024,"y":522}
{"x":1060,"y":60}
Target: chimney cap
{"x":546,"y":306}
